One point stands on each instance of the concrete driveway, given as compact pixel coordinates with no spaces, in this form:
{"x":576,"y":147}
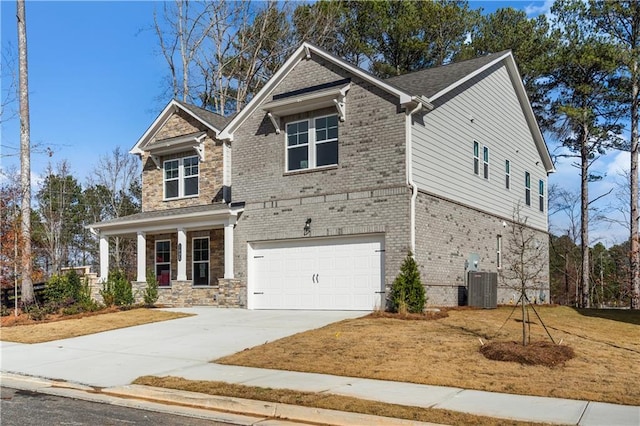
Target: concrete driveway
{"x":117,"y":357}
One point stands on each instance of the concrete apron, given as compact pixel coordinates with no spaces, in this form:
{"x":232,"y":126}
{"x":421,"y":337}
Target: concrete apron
{"x":118,"y":357}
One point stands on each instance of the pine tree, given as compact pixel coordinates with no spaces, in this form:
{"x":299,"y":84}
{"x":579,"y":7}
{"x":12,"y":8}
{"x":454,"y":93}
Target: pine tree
{"x":407,"y":291}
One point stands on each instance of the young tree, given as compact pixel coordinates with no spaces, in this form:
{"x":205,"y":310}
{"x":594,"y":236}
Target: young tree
{"x":584,"y":113}
{"x":620,"y":20}
{"x":407,"y":291}
{"x":25,"y":154}
{"x":525,"y":262}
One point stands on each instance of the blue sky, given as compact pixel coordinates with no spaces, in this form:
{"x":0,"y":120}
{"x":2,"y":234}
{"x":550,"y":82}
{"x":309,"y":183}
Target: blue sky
{"x":96,"y":82}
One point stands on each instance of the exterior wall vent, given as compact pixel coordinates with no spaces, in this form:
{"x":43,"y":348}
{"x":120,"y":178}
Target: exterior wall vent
{"x":483,"y":289}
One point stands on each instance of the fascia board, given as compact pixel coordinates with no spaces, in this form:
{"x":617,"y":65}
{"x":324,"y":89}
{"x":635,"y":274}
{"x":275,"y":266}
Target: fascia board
{"x":297,"y":56}
{"x":530,"y":117}
{"x":164,"y":222}
{"x":469,"y":76}
{"x":161,"y":120}
{"x":227,"y":132}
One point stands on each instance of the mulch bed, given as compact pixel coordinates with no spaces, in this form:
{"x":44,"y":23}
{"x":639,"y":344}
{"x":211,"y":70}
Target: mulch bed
{"x":535,"y":353}
{"x":424,"y":316}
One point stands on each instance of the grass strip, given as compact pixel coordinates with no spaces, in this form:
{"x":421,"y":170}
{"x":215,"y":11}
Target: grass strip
{"x":325,"y":401}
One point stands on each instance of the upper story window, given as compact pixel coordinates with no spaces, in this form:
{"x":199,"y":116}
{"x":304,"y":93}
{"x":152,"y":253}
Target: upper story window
{"x":485,"y":157}
{"x":181,"y":177}
{"x":476,"y":158}
{"x":541,"y":195}
{"x":507,"y":174}
{"x":312,"y":143}
{"x":527,"y":188}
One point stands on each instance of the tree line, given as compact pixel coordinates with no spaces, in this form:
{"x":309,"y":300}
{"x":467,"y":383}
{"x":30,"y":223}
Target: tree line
{"x":63,"y":208}
{"x":579,"y":67}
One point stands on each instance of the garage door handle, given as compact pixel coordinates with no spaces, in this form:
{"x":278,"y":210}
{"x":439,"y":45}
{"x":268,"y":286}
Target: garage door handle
{"x":258,"y":292}
{"x":315,"y":278}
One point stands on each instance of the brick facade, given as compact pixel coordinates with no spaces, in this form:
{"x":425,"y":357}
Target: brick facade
{"x":365,"y":193}
{"x":210,"y":170}
{"x":447,"y":234}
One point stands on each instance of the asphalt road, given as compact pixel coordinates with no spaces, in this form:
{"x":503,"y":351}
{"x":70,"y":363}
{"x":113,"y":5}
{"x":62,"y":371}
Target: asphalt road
{"x":20,"y":407}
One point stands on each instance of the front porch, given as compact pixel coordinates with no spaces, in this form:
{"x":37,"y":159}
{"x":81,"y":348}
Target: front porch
{"x":189,"y":251}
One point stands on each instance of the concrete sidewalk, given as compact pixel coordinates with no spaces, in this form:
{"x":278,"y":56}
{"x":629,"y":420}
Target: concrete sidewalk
{"x":184,"y":347}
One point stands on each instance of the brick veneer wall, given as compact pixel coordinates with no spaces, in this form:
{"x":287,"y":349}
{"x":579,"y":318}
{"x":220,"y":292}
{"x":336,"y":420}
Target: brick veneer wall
{"x":381,"y":211}
{"x":210,"y":170}
{"x":365,"y":193}
{"x":447,"y":233}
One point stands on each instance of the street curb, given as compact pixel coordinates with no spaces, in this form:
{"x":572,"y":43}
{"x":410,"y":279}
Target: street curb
{"x":221,"y":408}
{"x":260,"y":408}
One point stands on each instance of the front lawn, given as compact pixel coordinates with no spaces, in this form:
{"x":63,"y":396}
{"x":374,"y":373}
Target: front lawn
{"x":81,"y":325}
{"x":446,"y":352}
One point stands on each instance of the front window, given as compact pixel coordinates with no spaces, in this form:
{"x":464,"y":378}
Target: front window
{"x":312,"y":143}
{"x":163,"y":262}
{"x":541,"y":195}
{"x":181,"y":177}
{"x":201,"y":261}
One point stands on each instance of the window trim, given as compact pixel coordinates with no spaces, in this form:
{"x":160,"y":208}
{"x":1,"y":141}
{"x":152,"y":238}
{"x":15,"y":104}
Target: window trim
{"x":156,"y":263}
{"x":507,"y":174}
{"x":476,"y":158}
{"x":193,"y":261}
{"x":485,"y":162}
{"x":541,"y":195}
{"x":527,"y":188}
{"x":182,"y":177}
{"x":311,"y":145}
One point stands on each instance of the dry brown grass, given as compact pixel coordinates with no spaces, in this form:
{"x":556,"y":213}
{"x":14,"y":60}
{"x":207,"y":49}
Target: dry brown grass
{"x":446,"y":352}
{"x":74,"y":327}
{"x":326,"y":401}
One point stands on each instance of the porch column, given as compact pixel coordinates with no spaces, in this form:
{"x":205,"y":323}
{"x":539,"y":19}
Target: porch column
{"x":228,"y":250}
{"x":104,"y":258}
{"x":142,"y":258}
{"x":182,"y":255}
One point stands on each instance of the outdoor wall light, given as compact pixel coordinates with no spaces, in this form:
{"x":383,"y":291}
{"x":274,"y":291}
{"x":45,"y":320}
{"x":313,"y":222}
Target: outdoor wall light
{"x":307,"y":227}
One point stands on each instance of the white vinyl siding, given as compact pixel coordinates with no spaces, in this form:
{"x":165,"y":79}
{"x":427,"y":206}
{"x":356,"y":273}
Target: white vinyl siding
{"x":485,"y":110}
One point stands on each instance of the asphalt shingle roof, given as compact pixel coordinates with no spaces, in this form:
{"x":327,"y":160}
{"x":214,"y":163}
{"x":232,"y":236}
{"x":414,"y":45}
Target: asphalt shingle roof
{"x":430,"y":81}
{"x":216,"y":120}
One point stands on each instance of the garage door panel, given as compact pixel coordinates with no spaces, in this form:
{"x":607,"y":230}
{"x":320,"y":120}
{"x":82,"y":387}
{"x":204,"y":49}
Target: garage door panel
{"x":337,"y":273}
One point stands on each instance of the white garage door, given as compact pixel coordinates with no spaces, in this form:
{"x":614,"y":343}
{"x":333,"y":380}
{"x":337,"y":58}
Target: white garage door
{"x":343,"y":273}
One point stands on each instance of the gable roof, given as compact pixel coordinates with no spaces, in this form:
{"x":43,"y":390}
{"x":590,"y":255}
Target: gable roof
{"x":430,"y":81}
{"x":420,"y":87}
{"x":211,"y":120}
{"x":304,"y":51}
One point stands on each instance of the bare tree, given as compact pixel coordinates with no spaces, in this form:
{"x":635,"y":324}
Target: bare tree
{"x":525,"y":262}
{"x":188,"y":26}
{"x":25,"y":154}
{"x":116,"y":180}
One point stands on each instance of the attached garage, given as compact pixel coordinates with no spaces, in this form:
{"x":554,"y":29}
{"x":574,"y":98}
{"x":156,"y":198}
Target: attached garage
{"x":342,"y":273}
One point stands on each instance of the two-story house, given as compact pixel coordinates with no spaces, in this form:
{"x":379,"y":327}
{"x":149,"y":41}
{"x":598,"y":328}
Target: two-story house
{"x":312,"y":195}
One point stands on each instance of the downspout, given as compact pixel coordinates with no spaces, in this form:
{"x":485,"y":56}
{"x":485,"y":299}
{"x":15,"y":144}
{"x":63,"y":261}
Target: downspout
{"x":409,"y":172}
